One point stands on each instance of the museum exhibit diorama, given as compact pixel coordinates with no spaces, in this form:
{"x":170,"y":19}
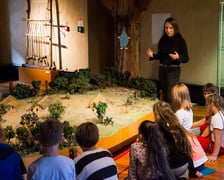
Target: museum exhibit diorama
{"x":116,"y":100}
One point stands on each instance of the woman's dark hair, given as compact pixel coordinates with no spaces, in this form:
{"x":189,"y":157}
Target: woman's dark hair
{"x":87,"y":135}
{"x":173,"y":22}
{"x":156,"y":151}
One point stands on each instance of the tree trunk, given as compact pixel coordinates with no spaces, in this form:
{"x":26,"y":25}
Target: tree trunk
{"x":128,"y":59}
{"x":127,"y":15}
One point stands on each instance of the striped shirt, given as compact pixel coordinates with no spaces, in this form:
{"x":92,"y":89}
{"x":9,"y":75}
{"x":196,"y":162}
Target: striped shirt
{"x":96,"y":164}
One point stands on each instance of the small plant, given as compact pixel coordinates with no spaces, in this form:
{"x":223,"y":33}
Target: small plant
{"x":143,"y":93}
{"x":30,"y":119}
{"x":69,"y":134}
{"x":56,"y":109}
{"x":9,"y":133}
{"x":100,"y":110}
{"x":129,"y":101}
{"x":3,"y":109}
{"x":108,"y":120}
{"x":36,"y":87}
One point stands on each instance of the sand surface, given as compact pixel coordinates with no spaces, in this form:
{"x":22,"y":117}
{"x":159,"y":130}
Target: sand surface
{"x":78,"y":108}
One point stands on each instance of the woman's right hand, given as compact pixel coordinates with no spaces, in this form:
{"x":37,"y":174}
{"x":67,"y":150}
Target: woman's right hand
{"x":149,"y":52}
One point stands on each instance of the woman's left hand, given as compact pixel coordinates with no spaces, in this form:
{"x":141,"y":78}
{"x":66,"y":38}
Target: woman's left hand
{"x":174,"y":56}
{"x":212,"y":158}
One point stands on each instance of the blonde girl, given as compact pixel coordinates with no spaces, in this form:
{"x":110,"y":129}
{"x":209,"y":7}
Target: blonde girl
{"x":182,"y":102}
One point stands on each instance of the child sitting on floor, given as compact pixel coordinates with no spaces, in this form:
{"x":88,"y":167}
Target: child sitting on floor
{"x":51,"y":165}
{"x":201,"y":127}
{"x":93,"y":163}
{"x":180,"y":150}
{"x":184,"y":113}
{"x":213,"y":142}
{"x":182,"y":102}
{"x":148,"y":156}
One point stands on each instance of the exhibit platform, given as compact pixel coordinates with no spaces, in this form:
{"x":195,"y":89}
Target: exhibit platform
{"x":28,"y":74}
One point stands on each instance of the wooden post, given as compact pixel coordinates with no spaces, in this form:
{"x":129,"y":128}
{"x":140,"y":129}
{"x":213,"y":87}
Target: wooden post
{"x":50,"y":43}
{"x":59,"y":36}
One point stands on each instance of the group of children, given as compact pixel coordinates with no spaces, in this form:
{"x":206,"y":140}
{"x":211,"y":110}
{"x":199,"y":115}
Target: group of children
{"x":171,"y":147}
{"x":167,"y":148}
{"x":92,"y":163}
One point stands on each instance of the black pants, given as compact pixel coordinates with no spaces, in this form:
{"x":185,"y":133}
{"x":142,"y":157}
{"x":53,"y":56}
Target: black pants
{"x":168,"y":77}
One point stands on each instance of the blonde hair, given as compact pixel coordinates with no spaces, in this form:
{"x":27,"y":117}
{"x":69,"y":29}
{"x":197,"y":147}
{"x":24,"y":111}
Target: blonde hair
{"x":181,"y":97}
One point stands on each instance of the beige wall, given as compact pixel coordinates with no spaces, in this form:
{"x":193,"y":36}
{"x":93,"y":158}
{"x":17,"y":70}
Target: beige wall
{"x":13,"y":28}
{"x":198,"y":23}
{"x":75,"y":56}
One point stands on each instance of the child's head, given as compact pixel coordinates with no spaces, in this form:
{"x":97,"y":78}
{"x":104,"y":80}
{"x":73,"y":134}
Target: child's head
{"x":87,"y":135}
{"x":163,"y":112}
{"x":181,"y":97}
{"x":50,"y":132}
{"x":148,"y":130}
{"x":209,"y":89}
{"x":214,"y":101}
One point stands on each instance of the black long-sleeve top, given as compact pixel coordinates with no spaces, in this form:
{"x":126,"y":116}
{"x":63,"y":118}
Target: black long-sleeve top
{"x":169,"y":45}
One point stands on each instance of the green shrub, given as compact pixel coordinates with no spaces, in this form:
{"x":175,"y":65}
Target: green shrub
{"x":79,"y":85}
{"x":100,"y":111}
{"x":69,"y":135}
{"x":21,"y":91}
{"x":98,"y":80}
{"x":9,"y":133}
{"x":56,"y":109}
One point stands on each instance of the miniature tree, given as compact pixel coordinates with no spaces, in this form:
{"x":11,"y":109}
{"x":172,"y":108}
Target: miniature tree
{"x":56,"y":109}
{"x":69,"y":134}
{"x":9,"y":133}
{"x":100,"y":110}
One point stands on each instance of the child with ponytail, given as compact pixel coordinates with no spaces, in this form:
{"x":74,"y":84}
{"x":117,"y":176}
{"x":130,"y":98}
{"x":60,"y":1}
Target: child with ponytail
{"x":213,"y":142}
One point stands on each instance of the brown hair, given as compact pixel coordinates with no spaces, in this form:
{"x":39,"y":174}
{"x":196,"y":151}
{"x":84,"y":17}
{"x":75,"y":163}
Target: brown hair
{"x":181,"y":97}
{"x":209,"y":88}
{"x":170,"y":127}
{"x":217,"y":101}
{"x":87,"y":134}
{"x":173,"y":22}
{"x":50,"y":132}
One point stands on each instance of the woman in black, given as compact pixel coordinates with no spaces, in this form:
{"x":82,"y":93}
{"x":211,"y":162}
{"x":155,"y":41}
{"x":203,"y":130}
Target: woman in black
{"x":172,"y":51}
